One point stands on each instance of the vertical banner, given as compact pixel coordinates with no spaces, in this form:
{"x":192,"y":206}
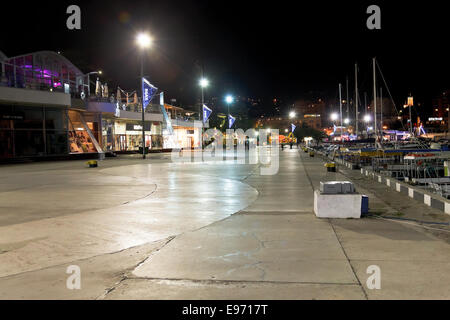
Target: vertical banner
{"x":293,"y":127}
{"x":231,"y":121}
{"x":206,"y":113}
{"x":161,"y":98}
{"x":148,"y":92}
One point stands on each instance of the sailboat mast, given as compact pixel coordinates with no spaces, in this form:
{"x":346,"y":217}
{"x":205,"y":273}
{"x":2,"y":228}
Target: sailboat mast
{"x":381,"y":111}
{"x":375,"y":98}
{"x":340,"y":109}
{"x":356,"y":99}
{"x":348,"y":108}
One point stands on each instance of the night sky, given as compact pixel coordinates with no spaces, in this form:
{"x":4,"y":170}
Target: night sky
{"x":276,"y":49}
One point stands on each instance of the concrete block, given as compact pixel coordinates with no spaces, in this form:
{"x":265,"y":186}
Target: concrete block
{"x":348,"y":187}
{"x":339,"y":206}
{"x":331,"y":187}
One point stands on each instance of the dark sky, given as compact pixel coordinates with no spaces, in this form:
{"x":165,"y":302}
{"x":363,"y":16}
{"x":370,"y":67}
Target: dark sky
{"x":282,"y":49}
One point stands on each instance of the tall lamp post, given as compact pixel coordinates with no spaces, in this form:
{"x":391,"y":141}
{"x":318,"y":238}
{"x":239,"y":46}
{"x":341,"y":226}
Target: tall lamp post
{"x":334,"y":117}
{"x":144,"y":41}
{"x":203,"y":84}
{"x":229,"y":100}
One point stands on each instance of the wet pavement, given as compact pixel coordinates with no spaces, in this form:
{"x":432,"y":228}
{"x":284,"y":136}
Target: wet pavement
{"x":160,"y":230}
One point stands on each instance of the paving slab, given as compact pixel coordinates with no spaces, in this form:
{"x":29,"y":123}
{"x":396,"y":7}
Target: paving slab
{"x":295,"y":248}
{"x":217,"y":290}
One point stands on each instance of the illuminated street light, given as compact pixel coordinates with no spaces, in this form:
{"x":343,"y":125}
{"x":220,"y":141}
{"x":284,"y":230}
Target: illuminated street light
{"x":144,"y":40}
{"x":367,"y":118}
{"x":334,"y":116}
{"x":292,"y":115}
{"x":204,"y":83}
{"x":229,"y":100}
{"x":347,"y":121}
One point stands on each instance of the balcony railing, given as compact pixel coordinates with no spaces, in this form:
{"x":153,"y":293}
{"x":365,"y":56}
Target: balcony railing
{"x":28,"y":78}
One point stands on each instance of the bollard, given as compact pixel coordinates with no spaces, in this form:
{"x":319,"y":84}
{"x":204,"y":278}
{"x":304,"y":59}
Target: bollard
{"x":92,"y":163}
{"x":331,"y":167}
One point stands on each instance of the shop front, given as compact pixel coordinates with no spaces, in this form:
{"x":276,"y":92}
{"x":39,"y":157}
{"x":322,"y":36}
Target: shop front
{"x":83,"y":132}
{"x":124,"y":135}
{"x":188,"y":137}
{"x":41,"y":131}
{"x":32,"y":131}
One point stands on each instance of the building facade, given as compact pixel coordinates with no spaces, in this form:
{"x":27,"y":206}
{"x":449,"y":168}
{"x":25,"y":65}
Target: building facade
{"x":42,"y":108}
{"x":46,"y":110}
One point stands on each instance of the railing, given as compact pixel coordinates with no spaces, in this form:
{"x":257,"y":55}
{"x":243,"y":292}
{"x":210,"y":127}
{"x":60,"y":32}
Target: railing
{"x":14,"y":76}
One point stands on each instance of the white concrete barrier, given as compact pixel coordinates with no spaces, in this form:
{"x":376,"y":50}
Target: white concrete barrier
{"x":338,"y":206}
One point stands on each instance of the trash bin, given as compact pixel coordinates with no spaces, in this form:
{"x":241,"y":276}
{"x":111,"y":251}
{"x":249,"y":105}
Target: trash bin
{"x":92,"y":163}
{"x":331,"y":166}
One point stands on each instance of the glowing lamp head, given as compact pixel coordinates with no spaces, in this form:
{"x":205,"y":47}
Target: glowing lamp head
{"x":334,"y":116}
{"x":292,"y":115}
{"x":367,"y":118}
{"x":143,"y":40}
{"x":229,"y":99}
{"x":347,"y":121}
{"x":204,"y":83}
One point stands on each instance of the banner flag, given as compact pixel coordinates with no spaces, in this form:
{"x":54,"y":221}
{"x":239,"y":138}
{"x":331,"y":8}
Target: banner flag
{"x":148,"y":92}
{"x":161,"y":98}
{"x":231,"y":121}
{"x":293,"y":126}
{"x":206,"y":113}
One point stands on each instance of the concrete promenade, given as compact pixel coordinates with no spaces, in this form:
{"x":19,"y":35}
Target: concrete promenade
{"x":159,"y":230}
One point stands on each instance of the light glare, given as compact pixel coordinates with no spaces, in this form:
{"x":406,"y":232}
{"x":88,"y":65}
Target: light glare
{"x":334,"y":116}
{"x":143,"y":40}
{"x":204,"y":83}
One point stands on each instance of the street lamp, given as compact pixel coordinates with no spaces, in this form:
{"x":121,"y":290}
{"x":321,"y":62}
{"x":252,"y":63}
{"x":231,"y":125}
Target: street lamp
{"x":347,"y":121}
{"x":144,"y":41}
{"x":229,"y":100}
{"x":334,"y":116}
{"x":292,"y":114}
{"x":367,"y":118}
{"x":89,"y":80}
{"x":203,"y":84}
